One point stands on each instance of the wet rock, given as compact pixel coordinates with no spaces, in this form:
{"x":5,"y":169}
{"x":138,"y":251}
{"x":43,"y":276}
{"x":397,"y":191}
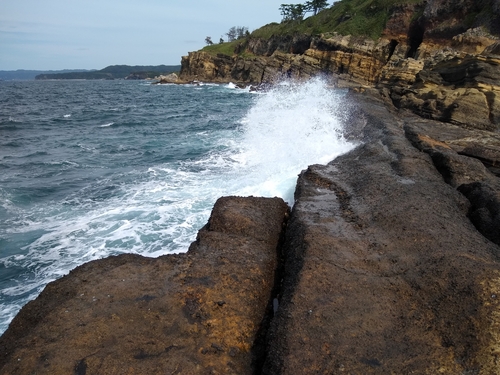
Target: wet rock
{"x":468,"y":160}
{"x":193,"y":313}
{"x":384,"y":271}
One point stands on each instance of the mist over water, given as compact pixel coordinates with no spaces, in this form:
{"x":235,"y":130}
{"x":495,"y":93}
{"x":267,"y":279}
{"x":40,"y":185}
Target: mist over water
{"x":92,"y":169}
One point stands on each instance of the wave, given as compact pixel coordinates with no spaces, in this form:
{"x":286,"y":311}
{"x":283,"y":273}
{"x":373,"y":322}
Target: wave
{"x":12,"y":144}
{"x":159,"y":208}
{"x":8,"y":126}
{"x":36,"y":154}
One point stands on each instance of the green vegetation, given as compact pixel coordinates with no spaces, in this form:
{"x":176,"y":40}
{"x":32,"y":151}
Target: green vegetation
{"x":235,"y":37}
{"x":224,"y":48}
{"x":484,"y":15}
{"x":296,"y":12}
{"x":116,"y":72}
{"x":367,"y":18}
{"x":228,"y":48}
{"x":347,"y":17}
{"x":237,"y":32}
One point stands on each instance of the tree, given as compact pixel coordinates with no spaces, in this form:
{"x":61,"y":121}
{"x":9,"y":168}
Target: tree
{"x":315,"y":6}
{"x":241,"y":31}
{"x":221,"y":40}
{"x":295,"y":12}
{"x":208,"y":40}
{"x":231,"y":34}
{"x":236,"y":32}
{"x":292,"y":12}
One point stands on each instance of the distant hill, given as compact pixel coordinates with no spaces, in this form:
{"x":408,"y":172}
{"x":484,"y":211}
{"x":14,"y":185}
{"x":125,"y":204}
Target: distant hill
{"x":21,"y":74}
{"x":115,"y":72}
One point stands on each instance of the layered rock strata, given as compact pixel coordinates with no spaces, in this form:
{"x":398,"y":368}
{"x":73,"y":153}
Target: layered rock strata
{"x":439,"y":58}
{"x":195,"y":313}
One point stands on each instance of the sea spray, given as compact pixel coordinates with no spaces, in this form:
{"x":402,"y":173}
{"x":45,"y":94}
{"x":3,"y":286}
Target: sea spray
{"x":290,"y":127}
{"x":147,"y":183}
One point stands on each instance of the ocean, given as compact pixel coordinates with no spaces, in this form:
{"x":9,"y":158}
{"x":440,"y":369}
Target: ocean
{"x":90,"y":169}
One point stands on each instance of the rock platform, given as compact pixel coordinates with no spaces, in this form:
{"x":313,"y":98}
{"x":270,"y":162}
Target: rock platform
{"x":387,"y":264}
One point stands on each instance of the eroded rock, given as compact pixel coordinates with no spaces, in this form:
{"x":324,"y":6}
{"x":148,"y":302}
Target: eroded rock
{"x":468,"y":160}
{"x":438,"y":58}
{"x":193,"y":313}
{"x":385,"y":273}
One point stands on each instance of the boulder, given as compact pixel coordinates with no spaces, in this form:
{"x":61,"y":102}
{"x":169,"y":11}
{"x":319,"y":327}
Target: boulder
{"x":170,"y":78}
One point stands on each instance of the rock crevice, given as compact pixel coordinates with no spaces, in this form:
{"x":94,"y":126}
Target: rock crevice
{"x":399,"y":287}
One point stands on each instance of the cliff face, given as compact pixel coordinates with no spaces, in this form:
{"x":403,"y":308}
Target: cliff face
{"x":440,"y":59}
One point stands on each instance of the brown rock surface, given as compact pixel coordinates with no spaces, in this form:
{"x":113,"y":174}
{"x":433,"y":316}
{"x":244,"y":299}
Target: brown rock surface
{"x":170,"y":78}
{"x":468,"y":160}
{"x":385,"y":274}
{"x":193,"y":313}
{"x":461,"y":91}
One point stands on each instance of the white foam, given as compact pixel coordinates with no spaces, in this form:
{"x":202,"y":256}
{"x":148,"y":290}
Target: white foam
{"x":67,"y":116}
{"x":286,"y":129}
{"x":292,"y":126}
{"x":107,"y":125}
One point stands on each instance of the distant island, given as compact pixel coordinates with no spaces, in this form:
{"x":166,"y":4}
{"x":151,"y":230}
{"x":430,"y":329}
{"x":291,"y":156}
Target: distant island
{"x":110,"y":72}
{"x":23,"y":74}
{"x":115,"y":72}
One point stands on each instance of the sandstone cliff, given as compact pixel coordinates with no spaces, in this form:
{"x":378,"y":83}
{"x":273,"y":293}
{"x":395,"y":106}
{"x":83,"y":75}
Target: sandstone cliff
{"x":439,"y":58}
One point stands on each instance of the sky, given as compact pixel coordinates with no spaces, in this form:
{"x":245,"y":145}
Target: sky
{"x":92,"y":34}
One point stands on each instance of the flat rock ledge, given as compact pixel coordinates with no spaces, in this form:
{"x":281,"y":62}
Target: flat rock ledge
{"x":389,"y":263}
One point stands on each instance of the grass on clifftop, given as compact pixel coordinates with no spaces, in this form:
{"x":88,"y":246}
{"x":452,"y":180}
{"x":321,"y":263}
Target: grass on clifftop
{"x":227,"y":48}
{"x":224,"y":48}
{"x":347,"y":17}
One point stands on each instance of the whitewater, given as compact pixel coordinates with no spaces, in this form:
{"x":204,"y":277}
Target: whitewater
{"x":90,"y":169}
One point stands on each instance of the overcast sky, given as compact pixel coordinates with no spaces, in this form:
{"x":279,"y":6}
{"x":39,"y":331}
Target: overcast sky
{"x":92,"y":34}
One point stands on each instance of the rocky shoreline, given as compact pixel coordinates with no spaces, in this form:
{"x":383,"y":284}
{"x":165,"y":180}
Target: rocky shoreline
{"x":388,"y":262}
{"x":383,"y":266}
